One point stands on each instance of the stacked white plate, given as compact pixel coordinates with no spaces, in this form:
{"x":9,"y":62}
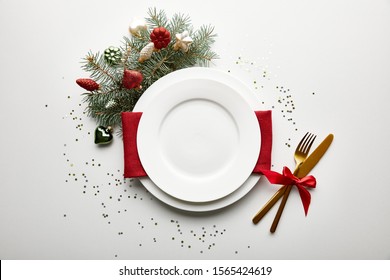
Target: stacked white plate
{"x":198,"y":139}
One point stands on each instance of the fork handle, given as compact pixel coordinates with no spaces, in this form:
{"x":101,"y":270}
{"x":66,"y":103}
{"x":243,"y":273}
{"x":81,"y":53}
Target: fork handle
{"x":271,"y":202}
{"x":280,"y":209}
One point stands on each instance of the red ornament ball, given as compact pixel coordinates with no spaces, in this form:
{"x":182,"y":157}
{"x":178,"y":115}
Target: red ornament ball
{"x":160,"y":37}
{"x":132,"y":79}
{"x":88,"y":84}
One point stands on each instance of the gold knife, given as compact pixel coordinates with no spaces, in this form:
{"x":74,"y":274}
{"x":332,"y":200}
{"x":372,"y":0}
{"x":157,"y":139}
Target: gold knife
{"x":304,"y":169}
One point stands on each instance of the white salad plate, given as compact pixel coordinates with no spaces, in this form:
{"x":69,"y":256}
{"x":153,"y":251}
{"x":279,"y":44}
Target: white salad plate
{"x":198,"y":139}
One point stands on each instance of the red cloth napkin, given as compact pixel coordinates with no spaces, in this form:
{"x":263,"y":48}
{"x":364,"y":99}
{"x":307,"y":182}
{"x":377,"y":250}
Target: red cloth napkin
{"x":133,"y":166}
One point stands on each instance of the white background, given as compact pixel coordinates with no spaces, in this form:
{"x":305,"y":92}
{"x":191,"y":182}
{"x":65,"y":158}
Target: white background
{"x":331,"y":57}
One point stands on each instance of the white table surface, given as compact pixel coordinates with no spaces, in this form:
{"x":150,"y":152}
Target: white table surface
{"x":63,"y":197}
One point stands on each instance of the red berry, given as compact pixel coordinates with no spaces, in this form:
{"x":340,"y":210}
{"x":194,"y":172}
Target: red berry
{"x":160,"y":37}
{"x":88,"y":84}
{"x":132,"y":79}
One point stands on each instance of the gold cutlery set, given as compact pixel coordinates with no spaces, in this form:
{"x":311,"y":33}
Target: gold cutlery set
{"x":304,"y":164}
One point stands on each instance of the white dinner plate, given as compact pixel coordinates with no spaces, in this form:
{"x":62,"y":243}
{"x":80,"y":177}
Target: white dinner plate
{"x":180,"y":110}
{"x":198,"y":139}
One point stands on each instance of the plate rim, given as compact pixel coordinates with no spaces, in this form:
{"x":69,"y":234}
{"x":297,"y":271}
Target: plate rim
{"x":229,"y":178}
{"x":254,"y":102}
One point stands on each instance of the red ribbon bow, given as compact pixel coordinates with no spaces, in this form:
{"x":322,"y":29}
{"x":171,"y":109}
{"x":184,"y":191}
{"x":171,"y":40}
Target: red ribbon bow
{"x":288,"y":178}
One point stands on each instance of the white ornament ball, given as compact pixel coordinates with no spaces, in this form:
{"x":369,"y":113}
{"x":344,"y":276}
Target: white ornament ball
{"x":136,"y":25}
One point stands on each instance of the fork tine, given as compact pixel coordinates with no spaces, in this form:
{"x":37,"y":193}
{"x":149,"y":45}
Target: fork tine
{"x":307,"y":144}
{"x":302,"y":142}
{"x":310,"y":144}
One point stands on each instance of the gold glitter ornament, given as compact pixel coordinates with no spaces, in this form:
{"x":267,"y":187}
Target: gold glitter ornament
{"x":183,"y":41}
{"x":146,"y":52}
{"x":136,"y":25}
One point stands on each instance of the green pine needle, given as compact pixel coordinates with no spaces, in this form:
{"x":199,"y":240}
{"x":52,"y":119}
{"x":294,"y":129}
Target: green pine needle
{"x":107,"y":103}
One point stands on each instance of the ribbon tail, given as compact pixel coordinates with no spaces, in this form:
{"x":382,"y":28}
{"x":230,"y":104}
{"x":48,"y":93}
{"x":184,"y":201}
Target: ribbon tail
{"x":305,"y":197}
{"x":277,"y":178}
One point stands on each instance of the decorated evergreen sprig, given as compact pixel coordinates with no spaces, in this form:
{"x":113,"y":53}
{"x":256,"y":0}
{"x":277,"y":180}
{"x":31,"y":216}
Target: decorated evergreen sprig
{"x":156,"y":47}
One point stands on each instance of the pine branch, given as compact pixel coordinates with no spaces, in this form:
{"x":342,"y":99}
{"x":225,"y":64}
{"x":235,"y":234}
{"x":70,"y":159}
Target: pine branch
{"x":179,"y":23}
{"x":101,"y":72}
{"x":156,"y":18}
{"x":107,"y":103}
{"x":126,"y":54}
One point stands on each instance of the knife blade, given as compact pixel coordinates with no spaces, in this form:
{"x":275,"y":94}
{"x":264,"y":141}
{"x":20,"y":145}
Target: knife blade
{"x":315,"y":157}
{"x":304,"y":169}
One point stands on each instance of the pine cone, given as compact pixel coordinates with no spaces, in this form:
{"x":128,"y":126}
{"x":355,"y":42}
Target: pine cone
{"x":88,"y":84}
{"x":160,"y":37}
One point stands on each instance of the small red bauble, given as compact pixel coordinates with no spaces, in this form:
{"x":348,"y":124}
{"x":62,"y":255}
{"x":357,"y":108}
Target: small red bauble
{"x":88,"y":84}
{"x":160,"y":37}
{"x":132,"y":79}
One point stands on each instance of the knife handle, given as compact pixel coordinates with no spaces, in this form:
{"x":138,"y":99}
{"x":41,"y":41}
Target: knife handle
{"x":269,"y":205}
{"x":280,"y":209}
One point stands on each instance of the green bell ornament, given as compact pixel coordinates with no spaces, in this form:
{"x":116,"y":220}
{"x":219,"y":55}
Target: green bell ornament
{"x":112,"y":55}
{"x":103,"y":135}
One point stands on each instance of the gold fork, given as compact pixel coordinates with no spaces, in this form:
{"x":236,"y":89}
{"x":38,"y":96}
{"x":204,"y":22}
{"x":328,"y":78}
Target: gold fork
{"x":300,"y":155}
